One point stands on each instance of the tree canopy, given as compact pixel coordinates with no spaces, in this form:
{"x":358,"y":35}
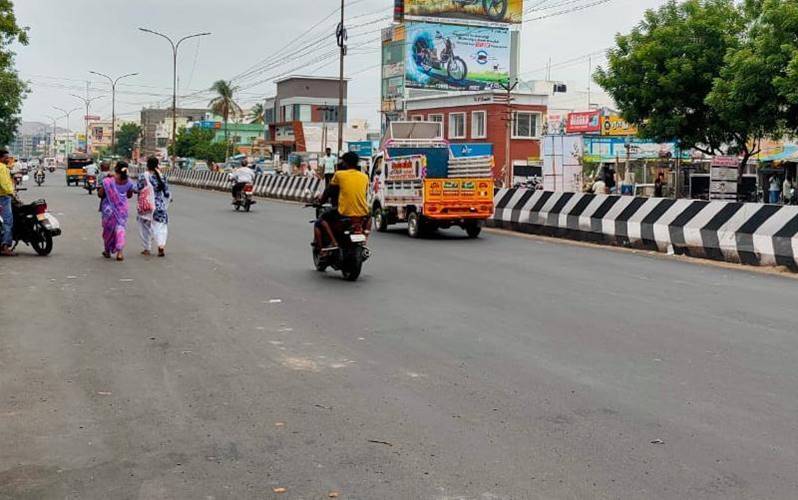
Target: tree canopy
{"x":714,"y":75}
{"x":196,"y":142}
{"x":12,"y":88}
{"x":126,"y":138}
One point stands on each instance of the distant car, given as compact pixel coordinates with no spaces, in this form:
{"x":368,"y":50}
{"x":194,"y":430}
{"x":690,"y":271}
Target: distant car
{"x":201,"y":166}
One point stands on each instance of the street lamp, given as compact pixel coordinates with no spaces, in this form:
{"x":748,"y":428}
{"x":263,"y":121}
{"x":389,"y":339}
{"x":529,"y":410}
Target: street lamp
{"x":175,"y":46}
{"x":69,"y":131}
{"x":113,"y":103}
{"x":87,"y":101}
{"x":52,"y":139}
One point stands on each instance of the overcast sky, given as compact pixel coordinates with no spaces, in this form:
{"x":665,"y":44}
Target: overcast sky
{"x":70,"y":38}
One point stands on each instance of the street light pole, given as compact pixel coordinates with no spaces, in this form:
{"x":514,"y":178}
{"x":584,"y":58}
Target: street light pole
{"x":87,"y":101}
{"x":341,"y":35}
{"x":52,"y":139}
{"x":69,"y":131}
{"x":175,"y":47}
{"x":113,"y":103}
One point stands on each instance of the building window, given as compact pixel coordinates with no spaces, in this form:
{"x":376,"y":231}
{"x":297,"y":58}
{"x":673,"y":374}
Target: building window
{"x":525,"y":125}
{"x":457,"y":126}
{"x":417,"y":118}
{"x":478,"y":119}
{"x":288,"y":113}
{"x":435,"y":118}
{"x":331,"y":113}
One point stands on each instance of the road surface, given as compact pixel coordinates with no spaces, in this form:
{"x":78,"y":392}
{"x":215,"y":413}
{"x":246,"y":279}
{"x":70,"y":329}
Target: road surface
{"x":501,"y":368}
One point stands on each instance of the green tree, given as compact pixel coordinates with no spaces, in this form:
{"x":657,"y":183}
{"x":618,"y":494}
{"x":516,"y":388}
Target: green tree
{"x":257,"y":114}
{"x":200,"y":143}
{"x":126,"y":139}
{"x":224,"y":104}
{"x":661,"y":73}
{"x":12,"y":88}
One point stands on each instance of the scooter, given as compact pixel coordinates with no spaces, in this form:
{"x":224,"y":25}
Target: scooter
{"x":494,"y":9}
{"x":19,"y":178}
{"x":34,"y":225}
{"x":428,"y":59}
{"x":352,"y":235}
{"x":39,"y":177}
{"x":244,"y":199}
{"x":90,"y":183}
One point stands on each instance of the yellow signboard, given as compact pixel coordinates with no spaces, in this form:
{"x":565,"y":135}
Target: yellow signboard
{"x":502,"y":11}
{"x":616,"y":126}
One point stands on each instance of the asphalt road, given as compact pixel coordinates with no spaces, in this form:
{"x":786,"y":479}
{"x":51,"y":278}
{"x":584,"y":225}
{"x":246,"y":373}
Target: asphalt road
{"x":455,"y":369}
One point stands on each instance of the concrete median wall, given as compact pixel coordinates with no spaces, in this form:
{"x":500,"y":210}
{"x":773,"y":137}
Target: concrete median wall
{"x":747,"y":233}
{"x":282,"y":187}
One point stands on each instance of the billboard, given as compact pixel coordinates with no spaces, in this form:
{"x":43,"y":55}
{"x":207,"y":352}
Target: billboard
{"x":450,"y":57}
{"x":480,"y":11}
{"x":611,"y":149}
{"x":584,"y":122}
{"x":616,"y":126}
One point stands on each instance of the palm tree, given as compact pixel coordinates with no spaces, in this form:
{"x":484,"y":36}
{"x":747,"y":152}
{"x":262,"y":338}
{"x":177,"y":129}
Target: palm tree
{"x":225,"y":106}
{"x":256,"y":114}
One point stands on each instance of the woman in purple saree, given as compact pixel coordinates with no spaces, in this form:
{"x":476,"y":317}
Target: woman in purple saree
{"x":115,"y":192}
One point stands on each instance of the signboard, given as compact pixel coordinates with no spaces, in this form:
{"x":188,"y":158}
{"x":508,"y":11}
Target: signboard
{"x":581,"y":123}
{"x":449,"y":57}
{"x":362,"y":148}
{"x":393,"y":70}
{"x":723,"y":175}
{"x":473,"y":11}
{"x":284,"y":133}
{"x":562,"y":163}
{"x":91,"y":118}
{"x":616,"y":126}
{"x":612,"y":149}
{"x":471,"y":149}
{"x":555,"y":124}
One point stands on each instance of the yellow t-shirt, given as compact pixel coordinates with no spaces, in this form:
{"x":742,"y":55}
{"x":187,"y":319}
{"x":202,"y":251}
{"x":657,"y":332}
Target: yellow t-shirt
{"x":6,"y":184}
{"x":353,"y":186}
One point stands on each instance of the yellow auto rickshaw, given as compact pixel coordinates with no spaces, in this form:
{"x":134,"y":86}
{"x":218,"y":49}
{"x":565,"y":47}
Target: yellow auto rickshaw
{"x":76,"y":163}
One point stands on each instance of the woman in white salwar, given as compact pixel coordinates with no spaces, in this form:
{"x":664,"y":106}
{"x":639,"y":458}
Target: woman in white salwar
{"x":153,"y":215}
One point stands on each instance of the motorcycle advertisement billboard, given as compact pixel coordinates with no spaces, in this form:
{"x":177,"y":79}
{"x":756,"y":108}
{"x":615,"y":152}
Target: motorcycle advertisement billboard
{"x":449,"y":57}
{"x":483,"y":11}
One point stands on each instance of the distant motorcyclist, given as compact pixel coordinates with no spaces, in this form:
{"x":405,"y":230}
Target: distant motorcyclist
{"x":348,"y":193}
{"x":241,"y":176}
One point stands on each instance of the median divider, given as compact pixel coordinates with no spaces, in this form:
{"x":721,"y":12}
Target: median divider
{"x":746,"y":233}
{"x":282,"y":187}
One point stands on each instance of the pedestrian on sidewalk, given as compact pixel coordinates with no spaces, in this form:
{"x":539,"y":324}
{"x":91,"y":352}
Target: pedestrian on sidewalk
{"x":775,"y":190}
{"x":115,"y":193}
{"x":786,"y":191}
{"x":153,"y":204}
{"x":6,"y":196}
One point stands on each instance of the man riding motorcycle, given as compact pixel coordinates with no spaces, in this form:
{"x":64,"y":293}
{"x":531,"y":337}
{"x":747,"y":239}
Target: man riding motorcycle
{"x":241,"y":176}
{"x":349,"y":186}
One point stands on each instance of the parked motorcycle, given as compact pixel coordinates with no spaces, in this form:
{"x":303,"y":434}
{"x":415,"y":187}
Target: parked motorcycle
{"x":39,"y":177}
{"x":352,"y":235}
{"x":494,"y":9}
{"x":427,"y":58}
{"x":90,"y":183}
{"x":34,"y":226}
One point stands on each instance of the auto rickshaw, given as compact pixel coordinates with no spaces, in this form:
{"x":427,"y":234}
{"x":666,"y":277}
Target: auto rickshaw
{"x":75,"y":172}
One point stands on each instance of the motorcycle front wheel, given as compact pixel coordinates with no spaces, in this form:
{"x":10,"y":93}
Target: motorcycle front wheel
{"x":457,"y":69}
{"x":495,"y":9}
{"x":41,"y":241}
{"x":318,"y":263}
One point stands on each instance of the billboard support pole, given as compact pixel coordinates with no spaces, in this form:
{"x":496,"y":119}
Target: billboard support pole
{"x":341,"y":35}
{"x":508,"y":163}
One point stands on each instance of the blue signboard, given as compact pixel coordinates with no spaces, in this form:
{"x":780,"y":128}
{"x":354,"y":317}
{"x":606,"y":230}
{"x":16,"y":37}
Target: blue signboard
{"x":467,"y":150}
{"x":362,"y":148}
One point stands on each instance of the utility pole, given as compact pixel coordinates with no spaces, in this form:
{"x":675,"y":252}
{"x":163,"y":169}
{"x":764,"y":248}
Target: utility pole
{"x":113,"y":103}
{"x":507,"y":174}
{"x":51,"y":147}
{"x":325,"y":109}
{"x":69,"y":131}
{"x":175,"y":47}
{"x":342,"y":36}
{"x":87,"y":101}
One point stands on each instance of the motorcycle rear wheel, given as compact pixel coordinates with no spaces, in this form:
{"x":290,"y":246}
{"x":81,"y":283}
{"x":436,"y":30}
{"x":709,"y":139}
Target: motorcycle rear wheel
{"x":354,"y":265}
{"x":495,"y":9}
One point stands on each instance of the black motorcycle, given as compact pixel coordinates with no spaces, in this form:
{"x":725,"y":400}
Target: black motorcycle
{"x":352,"y":235}
{"x":39,"y":177}
{"x":494,"y":9}
{"x":34,"y":226}
{"x":427,"y":58}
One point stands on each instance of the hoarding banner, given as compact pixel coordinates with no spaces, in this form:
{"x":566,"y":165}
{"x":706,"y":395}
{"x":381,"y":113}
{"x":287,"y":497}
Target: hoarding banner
{"x":449,"y":57}
{"x":469,"y":150}
{"x":616,"y":126}
{"x":584,"y":122}
{"x":362,"y":148}
{"x":610,"y":149}
{"x":474,"y":11}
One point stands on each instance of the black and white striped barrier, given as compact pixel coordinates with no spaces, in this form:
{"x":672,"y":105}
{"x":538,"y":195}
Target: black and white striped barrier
{"x":284,"y":187}
{"x":747,"y":233}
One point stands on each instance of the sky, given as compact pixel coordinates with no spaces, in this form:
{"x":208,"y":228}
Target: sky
{"x":70,"y":38}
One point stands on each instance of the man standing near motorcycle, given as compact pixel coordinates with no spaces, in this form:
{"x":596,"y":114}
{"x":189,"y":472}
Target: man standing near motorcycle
{"x":351,"y":187}
{"x":6,"y":197}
